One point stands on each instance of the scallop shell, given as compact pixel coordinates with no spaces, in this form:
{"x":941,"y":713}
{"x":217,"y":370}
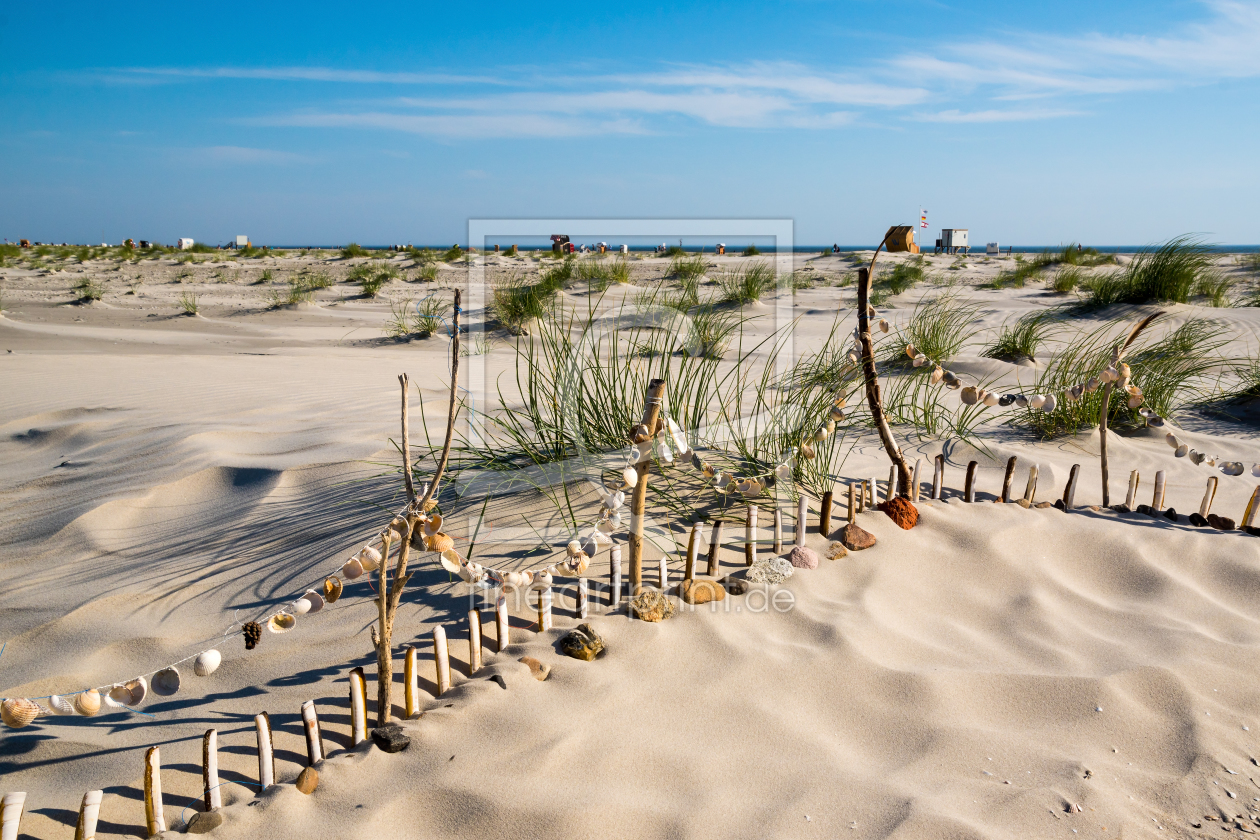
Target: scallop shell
{"x":166,"y":682}
{"x":1050,"y":403}
{"x":936,"y":376}
{"x":300,"y":607}
{"x":439,"y":542}
{"x":605,"y":526}
{"x":1036,"y":401}
{"x":352,"y":569}
{"x":884,"y":326}
{"x":991,"y":399}
{"x":840,"y":402}
{"x":783,"y":471}
{"x":316,"y":600}
{"x":836,"y":413}
{"x":630,"y":476}
{"x":1092,"y":385}
{"x":60,"y":705}
{"x":1154,"y":420}
{"x":515,"y":579}
{"x":332,"y":589}
{"x":949,"y":377}
{"x":821,"y":434}
{"x":18,"y":712}
{"x":281,"y":622}
{"x":87,"y":703}
{"x":207,"y":662}
{"x":754,"y":488}
{"x":127,"y":694}
{"x":1182,"y":451}
{"x":615,"y":500}
{"x":589,"y":548}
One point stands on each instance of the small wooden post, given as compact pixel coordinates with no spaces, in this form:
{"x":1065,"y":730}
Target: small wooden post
{"x":153,"y":817}
{"x":1157,"y":501}
{"x":11,"y":814}
{"x":614,"y":572}
{"x":266,"y":751}
{"x":1208,"y":495}
{"x":778,"y":529}
{"x":89,"y":812}
{"x":873,"y":487}
{"x":1131,"y":497}
{"x":969,"y":491}
{"x":411,"y":682}
{"x":914,"y":488}
{"x":801,"y":509}
{"x":502,"y":630}
{"x":638,"y":498}
{"x":693,"y":548}
{"x":358,"y":707}
{"x":1006,"y":480}
{"x":715,"y":546}
{"x":1030,"y":490}
{"x":892,"y":490}
{"x":861,"y":495}
{"x":1069,"y":492}
{"x":1249,"y":515}
{"x":938,"y":476}
{"x":852,"y":510}
{"x":662,"y":573}
{"x":474,"y":641}
{"x":211,"y":794}
{"x":750,"y":536}
{"x":824,"y":513}
{"x":314,"y":737}
{"x":582,"y":608}
{"x":544,"y":609}
{"x":441,"y":660}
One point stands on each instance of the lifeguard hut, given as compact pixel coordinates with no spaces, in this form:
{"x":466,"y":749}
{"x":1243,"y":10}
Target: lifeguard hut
{"x":953,"y":241}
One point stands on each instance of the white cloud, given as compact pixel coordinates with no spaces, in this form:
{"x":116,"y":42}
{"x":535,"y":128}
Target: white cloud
{"x":955,"y":116}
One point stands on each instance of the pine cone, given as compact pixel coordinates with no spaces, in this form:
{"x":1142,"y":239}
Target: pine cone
{"x":253,"y":634}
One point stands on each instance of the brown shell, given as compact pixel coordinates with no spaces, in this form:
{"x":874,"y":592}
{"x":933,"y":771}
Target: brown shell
{"x":332,"y":589}
{"x":18,"y":712}
{"x":87,"y":703}
{"x":439,"y":542}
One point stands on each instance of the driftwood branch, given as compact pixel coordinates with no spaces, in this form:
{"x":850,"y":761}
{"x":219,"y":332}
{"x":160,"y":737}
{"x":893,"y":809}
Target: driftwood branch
{"x":406,"y":440}
{"x":873,"y":398}
{"x":450,"y":417}
{"x":1106,"y":403}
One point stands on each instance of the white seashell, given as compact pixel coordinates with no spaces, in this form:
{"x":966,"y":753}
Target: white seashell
{"x":316,"y":600}
{"x":1036,"y":401}
{"x":1182,"y":451}
{"x":166,"y":682}
{"x":60,"y":705}
{"x":991,"y":398}
{"x":1092,"y":385}
{"x":451,"y":564}
{"x":723,"y":479}
{"x":574,"y":548}
{"x":1154,"y":420}
{"x":853,"y":357}
{"x":1051,"y":402}
{"x":281,"y":622}
{"x":615,"y":500}
{"x":1110,"y":374}
{"x":300,"y":607}
{"x":807,"y":451}
{"x":663,"y":452}
{"x":370,"y":559}
{"x":17,"y":712}
{"x":970,"y":395}
{"x":466,"y":574}
{"x":605,"y":526}
{"x":1171,"y":440}
{"x":207,"y":662}
{"x":630,"y":476}
{"x":515,"y":579}
{"x":116,"y":695}
{"x":937,"y":375}
{"x":88,"y":703}
{"x":822,"y":433}
{"x":1134,"y":402}
{"x":1211,"y":462}
{"x":602,"y":538}
{"x":352,"y":569}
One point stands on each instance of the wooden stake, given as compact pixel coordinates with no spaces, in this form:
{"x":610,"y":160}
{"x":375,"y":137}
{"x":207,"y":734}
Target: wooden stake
{"x":411,"y":682}
{"x":1249,"y":515}
{"x":406,"y":441}
{"x":871,"y":378}
{"x":851,"y":503}
{"x":11,"y":814}
{"x":153,"y":817}
{"x":614,"y":572}
{"x":824,"y":513}
{"x":544,"y":609}
{"x":502,"y":629}
{"x":210,"y":794}
{"x":1208,"y":495}
{"x":638,"y":500}
{"x":1102,"y":444}
{"x":715,"y":546}
{"x":938,"y":476}
{"x":314,"y":737}
{"x":358,"y":707}
{"x":693,"y":548}
{"x":969,"y":491}
{"x":450,"y":415}
{"x":89,"y":812}
{"x":582,"y":609}
{"x":441,"y":660}
{"x":914,"y":489}
{"x":750,"y":536}
{"x":662,"y":573}
{"x":474,"y":641}
{"x":1157,"y":501}
{"x":1069,"y":492}
{"x":1131,"y":497}
{"x":778,"y":529}
{"x":801,"y":509}
{"x":1030,"y":490}
{"x":893,"y":489}
{"x":1006,"y":480}
{"x":266,"y":751}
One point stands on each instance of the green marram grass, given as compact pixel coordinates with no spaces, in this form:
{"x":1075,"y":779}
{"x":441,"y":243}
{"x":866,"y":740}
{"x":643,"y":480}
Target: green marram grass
{"x":1170,"y":273}
{"x":1021,"y":339}
{"x":746,"y":284}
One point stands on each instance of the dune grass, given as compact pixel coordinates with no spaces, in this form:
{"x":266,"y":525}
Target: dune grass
{"x":452,"y":254}
{"x":900,"y":278}
{"x":940,"y":327}
{"x":1068,"y":279}
{"x":353,"y":250}
{"x":751,"y":251}
{"x":746,"y":284}
{"x":88,"y":290}
{"x":517,"y":302}
{"x":1021,"y":339}
{"x":598,"y":272}
{"x":1216,"y":288}
{"x":687,"y":268}
{"x":427,"y":273}
{"x":189,"y":304}
{"x":1167,"y":273}
{"x":420,"y":318}
{"x":371,"y":283}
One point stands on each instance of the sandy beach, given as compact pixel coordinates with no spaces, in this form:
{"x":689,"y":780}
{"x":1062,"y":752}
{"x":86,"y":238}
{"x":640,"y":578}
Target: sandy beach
{"x":199,"y":445}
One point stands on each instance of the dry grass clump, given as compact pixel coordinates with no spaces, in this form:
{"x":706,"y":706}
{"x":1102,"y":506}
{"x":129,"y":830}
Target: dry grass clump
{"x":89,"y":290}
{"x":188,"y":303}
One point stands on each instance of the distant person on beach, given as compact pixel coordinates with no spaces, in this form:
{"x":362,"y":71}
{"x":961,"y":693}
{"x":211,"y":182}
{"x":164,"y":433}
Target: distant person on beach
{"x":835,"y":249}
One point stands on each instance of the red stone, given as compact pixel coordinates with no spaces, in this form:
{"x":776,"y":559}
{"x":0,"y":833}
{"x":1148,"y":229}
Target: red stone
{"x":900,"y":510}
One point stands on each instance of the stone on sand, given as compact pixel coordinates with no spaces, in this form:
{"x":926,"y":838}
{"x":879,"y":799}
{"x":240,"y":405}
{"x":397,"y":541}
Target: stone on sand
{"x":856,"y":538}
{"x":701,"y":590}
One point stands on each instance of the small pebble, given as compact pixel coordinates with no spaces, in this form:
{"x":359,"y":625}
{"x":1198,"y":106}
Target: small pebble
{"x":1098,"y":708}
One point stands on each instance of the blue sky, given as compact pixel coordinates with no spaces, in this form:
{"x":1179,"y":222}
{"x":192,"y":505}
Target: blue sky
{"x":1110,"y":123}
